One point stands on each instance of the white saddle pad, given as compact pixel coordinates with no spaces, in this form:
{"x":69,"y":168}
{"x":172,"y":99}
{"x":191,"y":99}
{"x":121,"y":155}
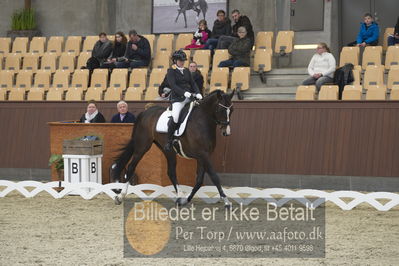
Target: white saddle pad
{"x":162,"y":124}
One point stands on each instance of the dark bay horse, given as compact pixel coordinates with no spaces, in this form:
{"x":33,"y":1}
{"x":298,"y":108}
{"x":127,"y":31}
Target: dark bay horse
{"x":185,"y":5}
{"x":198,"y":142}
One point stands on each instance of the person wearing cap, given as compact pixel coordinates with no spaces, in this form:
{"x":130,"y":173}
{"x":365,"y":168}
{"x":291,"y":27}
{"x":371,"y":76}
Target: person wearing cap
{"x":183,"y":88}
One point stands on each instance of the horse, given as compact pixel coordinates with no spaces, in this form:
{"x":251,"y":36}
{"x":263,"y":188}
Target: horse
{"x":197,"y":142}
{"x":185,"y":5}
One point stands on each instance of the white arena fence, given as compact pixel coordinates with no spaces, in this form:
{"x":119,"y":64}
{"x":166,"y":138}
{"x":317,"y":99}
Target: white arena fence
{"x":209,"y":194}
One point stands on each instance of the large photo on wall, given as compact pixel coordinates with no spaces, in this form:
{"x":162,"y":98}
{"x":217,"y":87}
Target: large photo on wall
{"x":175,"y":16}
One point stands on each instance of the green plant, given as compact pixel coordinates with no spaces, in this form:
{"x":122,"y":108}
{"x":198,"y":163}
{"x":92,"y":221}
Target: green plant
{"x":23,"y":20}
{"x":57,"y":161}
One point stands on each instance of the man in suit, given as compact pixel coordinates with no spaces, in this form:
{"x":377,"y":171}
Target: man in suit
{"x":123,"y":116}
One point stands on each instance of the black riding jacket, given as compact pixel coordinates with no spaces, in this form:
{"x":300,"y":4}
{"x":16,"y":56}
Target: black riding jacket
{"x":180,"y":83}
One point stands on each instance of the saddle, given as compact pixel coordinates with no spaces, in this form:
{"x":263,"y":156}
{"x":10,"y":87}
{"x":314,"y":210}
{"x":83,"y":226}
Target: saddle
{"x":162,"y":123}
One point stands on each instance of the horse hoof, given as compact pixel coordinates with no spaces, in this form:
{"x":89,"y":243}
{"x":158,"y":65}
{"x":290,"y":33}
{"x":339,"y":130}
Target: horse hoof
{"x":117,"y":200}
{"x":117,"y":191}
{"x":181,"y":201}
{"x":228,"y":206}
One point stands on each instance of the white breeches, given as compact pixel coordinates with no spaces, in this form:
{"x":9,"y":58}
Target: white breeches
{"x":176,"y":108}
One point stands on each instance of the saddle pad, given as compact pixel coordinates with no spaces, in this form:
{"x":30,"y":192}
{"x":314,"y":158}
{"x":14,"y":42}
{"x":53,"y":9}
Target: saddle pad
{"x":162,"y":124}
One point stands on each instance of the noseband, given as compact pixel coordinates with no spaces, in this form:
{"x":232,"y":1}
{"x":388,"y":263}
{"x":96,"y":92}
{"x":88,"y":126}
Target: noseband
{"x":227,"y":122}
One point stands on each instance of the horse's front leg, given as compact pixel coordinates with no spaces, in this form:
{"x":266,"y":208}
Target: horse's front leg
{"x":178,"y":14}
{"x":199,"y":180}
{"x":185,"y":19}
{"x":216,"y":181}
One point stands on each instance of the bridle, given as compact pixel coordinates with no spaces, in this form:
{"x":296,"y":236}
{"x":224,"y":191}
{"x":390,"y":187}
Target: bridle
{"x":227,"y":122}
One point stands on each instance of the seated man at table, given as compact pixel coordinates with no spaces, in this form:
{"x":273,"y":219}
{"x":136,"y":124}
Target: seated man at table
{"x":123,"y":116}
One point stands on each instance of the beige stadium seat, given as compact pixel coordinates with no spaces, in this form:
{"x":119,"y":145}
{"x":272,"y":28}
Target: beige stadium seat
{"x":3,"y":94}
{"x":24,"y":80}
{"x":74,"y":94}
{"x":349,"y":55}
{"x":151,"y":40}
{"x":393,"y":77}
{"x":73,"y":44}
{"x":156,"y":77}
{"x":54,"y":95}
{"x":374,"y":75}
{"x":352,"y":92}
{"x":264,"y":40}
{"x":220,"y":55}
{"x":1,"y":61}
{"x":5,"y":44}
{"x":89,"y":43}
{"x":183,"y":39}
{"x":202,"y":58}
{"x":94,"y":93}
{"x":118,"y":81}
{"x":328,"y":92}
{"x":37,"y":45}
{"x":219,"y":79}
{"x":54,"y":45}
{"x":80,"y":79}
{"x":395,"y":93}
{"x":151,"y":94}
{"x":20,"y":45}
{"x":387,"y":32}
{"x":263,"y":60}
{"x":16,"y":95}
{"x":113,"y":94}
{"x":31,"y":62}
{"x":99,"y":79}
{"x":121,"y":70}
{"x":67,"y":62}
{"x":305,"y":93}
{"x":376,"y":93}
{"x":165,"y":42}
{"x":138,"y":78}
{"x":6,"y":80}
{"x":42,"y":80}
{"x":188,"y":55}
{"x":133,"y":94}
{"x":284,"y":42}
{"x":356,"y":76}
{"x":60,"y":80}
{"x":392,"y":57}
{"x":49,"y":62}
{"x":35,"y":95}
{"x":13,"y":62}
{"x":161,"y":60}
{"x":240,"y":78}
{"x":82,"y":59}
{"x":372,"y":56}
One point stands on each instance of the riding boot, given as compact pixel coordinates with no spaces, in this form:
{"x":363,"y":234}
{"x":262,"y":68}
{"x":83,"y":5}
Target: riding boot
{"x":171,"y":132}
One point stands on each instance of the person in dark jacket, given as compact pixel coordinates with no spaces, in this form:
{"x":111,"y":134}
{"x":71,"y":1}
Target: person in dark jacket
{"x":221,"y":26}
{"x":240,"y":21}
{"x":197,"y":76}
{"x":239,"y":51}
{"x":138,"y":52}
{"x":118,"y":50}
{"x":368,"y":34}
{"x":92,"y":115}
{"x":394,"y":39}
{"x":123,"y":115}
{"x":101,"y":51}
{"x":182,"y":88}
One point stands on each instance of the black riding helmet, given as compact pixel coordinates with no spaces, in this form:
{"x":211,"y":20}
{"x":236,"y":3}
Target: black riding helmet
{"x":179,"y":55}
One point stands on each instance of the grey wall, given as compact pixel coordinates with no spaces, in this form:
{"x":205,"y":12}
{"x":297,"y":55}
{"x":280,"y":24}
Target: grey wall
{"x":7,"y":7}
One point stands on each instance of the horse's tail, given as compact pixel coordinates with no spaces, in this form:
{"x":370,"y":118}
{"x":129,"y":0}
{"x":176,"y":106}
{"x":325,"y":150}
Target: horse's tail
{"x":203,"y":5}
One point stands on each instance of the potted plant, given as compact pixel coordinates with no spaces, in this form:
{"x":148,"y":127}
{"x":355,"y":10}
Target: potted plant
{"x":23,"y":23}
{"x":57,"y":162}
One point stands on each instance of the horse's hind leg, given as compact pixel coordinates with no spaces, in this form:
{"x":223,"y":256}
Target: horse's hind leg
{"x":216,"y":181}
{"x":185,"y":19}
{"x":178,"y":14}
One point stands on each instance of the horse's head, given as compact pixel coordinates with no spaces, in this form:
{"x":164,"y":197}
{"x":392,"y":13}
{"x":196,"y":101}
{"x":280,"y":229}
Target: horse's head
{"x":224,"y":109}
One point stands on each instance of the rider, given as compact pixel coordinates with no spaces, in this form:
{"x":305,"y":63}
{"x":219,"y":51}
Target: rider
{"x":182,"y":88}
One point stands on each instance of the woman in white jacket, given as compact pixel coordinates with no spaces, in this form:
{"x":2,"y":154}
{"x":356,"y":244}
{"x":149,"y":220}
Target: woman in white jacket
{"x":321,"y":68}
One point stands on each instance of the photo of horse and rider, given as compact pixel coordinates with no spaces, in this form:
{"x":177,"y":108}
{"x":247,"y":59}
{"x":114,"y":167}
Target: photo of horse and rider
{"x":176,"y":16}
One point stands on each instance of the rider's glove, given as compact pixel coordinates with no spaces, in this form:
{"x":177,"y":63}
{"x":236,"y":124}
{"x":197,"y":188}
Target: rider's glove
{"x":187,"y":94}
{"x":198,"y":96}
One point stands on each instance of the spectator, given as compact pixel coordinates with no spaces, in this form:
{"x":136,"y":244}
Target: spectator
{"x":394,"y":39}
{"x":239,"y":51}
{"x":368,"y":34}
{"x":138,"y":52}
{"x":101,"y":51}
{"x":321,"y":67}
{"x":123,"y":115}
{"x":240,"y":21}
{"x":197,"y":76}
{"x":221,"y":26}
{"x":118,"y":50}
{"x":200,"y":36}
{"x":92,"y":115}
